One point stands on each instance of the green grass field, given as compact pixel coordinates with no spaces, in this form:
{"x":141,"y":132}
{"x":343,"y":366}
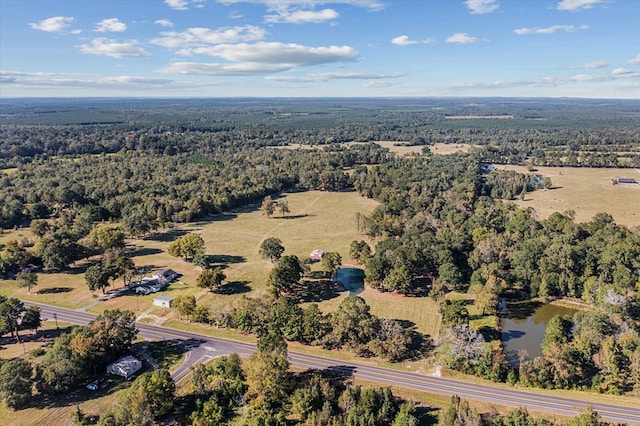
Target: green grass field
{"x":586,"y":191}
{"x":317,"y":219}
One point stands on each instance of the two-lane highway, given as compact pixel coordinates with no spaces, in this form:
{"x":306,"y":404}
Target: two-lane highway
{"x":201,"y":348}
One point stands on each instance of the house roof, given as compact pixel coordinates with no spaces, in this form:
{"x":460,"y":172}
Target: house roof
{"x":163,"y":298}
{"x":128,"y":362}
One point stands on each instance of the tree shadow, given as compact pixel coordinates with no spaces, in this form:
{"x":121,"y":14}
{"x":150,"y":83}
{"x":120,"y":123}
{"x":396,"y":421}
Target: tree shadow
{"x":167,"y":236}
{"x":511,"y":334}
{"x":521,"y":310}
{"x":489,"y":333}
{"x":225,"y":258}
{"x":78,"y":269}
{"x":145,"y":251}
{"x":342,"y":371}
{"x":54,"y":290}
{"x":318,"y":290}
{"x":294,"y":216}
{"x":426,"y":415}
{"x":221,"y":217}
{"x":233,"y":287}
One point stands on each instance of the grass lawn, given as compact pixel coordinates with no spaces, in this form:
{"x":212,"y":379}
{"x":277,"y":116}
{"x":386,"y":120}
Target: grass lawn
{"x":587,"y":191}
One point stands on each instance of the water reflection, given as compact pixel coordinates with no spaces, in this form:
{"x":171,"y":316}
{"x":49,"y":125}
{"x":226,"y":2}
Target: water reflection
{"x":524,"y":325}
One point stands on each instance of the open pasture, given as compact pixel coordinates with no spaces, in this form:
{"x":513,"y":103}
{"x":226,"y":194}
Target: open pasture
{"x":586,"y":191}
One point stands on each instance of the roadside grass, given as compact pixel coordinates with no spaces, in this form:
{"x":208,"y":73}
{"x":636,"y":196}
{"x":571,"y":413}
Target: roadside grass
{"x":586,"y":191}
{"x":59,"y":412}
{"x":32,"y":342}
{"x":168,"y":354}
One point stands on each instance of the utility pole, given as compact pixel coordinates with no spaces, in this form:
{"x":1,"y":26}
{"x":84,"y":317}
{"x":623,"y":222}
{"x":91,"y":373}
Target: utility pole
{"x":55,"y":316}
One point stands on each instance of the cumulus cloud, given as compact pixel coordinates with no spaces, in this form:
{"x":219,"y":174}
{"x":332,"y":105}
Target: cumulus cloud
{"x":53,"y":25}
{"x":164,"y":23}
{"x":198,"y":37}
{"x":301,"y":16}
{"x":110,"y":25}
{"x":621,"y":71}
{"x":339,"y":75}
{"x":286,"y":4}
{"x":290,"y":54}
{"x":261,"y":58}
{"x":579,"y":4}
{"x":461,"y":38}
{"x":635,"y":61}
{"x":177,"y":4}
{"x":404,"y":40}
{"x":114,"y":49}
{"x":550,"y":30}
{"x":226,"y":69}
{"x":479,"y":7}
{"x":595,"y":65}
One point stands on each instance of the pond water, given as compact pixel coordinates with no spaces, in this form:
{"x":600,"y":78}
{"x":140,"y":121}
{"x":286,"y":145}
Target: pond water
{"x":352,"y":279}
{"x":524,"y":325}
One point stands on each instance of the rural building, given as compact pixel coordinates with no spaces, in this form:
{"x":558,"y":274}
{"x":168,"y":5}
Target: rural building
{"x":125,"y":366}
{"x":626,"y":180}
{"x":163,"y":301}
{"x":166,"y":276}
{"x":316,"y":254}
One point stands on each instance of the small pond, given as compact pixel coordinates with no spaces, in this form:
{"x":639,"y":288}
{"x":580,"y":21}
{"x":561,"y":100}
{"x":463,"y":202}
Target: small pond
{"x":352,"y":279}
{"x":524,"y":325}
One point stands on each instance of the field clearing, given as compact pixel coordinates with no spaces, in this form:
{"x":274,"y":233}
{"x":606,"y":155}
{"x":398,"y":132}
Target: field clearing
{"x":450,"y":148}
{"x":587,"y":191}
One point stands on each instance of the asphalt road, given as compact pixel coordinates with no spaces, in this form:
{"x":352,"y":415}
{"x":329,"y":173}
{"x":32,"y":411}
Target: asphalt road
{"x":202,"y":348}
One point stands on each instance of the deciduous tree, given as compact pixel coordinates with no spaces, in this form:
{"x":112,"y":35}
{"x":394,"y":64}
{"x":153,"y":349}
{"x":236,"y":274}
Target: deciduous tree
{"x":27,"y":279}
{"x":211,"y":278}
{"x":271,"y":249}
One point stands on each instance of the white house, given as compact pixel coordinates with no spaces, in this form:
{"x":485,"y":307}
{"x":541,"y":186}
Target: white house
{"x":163,"y":301}
{"x":166,"y":276}
{"x":125,"y":366}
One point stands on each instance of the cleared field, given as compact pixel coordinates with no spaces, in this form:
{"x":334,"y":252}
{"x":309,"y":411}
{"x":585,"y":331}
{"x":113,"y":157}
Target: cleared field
{"x":586,"y":191}
{"x":450,"y":148}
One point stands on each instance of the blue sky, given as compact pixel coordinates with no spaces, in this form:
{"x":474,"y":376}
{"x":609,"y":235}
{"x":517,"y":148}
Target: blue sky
{"x":289,"y":48}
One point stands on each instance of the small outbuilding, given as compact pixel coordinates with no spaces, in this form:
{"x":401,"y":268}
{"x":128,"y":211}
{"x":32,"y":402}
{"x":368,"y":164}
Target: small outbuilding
{"x":163,"y":301}
{"x":626,"y":180}
{"x":317,"y":254}
{"x":126,"y":366}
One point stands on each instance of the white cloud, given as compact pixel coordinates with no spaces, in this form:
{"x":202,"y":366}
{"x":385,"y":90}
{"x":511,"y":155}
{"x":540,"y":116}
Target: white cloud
{"x":621,"y":71}
{"x":635,"y":61}
{"x":550,"y":30}
{"x":301,"y":16}
{"x":285,"y":4}
{"x":260,"y":58}
{"x":290,"y":54}
{"x":52,"y":25}
{"x":114,"y":49}
{"x":479,"y":7}
{"x":339,"y":75}
{"x":461,"y":38}
{"x":594,"y":65}
{"x":404,"y":40}
{"x":111,"y":25}
{"x":198,"y":37}
{"x":579,"y":4}
{"x":227,"y":69}
{"x":164,"y":23}
{"x":177,"y":4}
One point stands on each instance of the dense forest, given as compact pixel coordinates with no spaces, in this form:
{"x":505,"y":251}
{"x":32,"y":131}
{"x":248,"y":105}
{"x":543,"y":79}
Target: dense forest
{"x":444,"y":226}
